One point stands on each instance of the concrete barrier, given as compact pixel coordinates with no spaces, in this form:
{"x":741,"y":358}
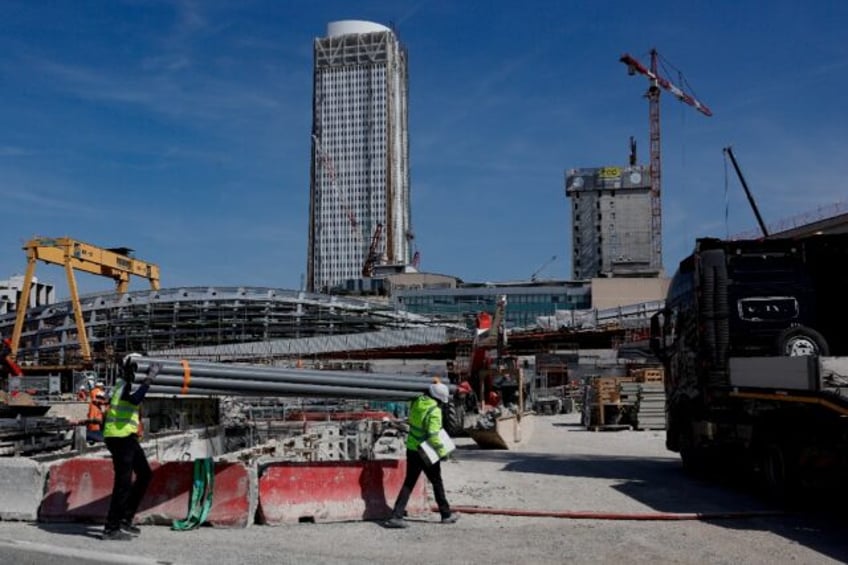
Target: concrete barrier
{"x":77,"y":489}
{"x":333,"y":491}
{"x":233,"y":497}
{"x":21,"y":485}
{"x":80,"y":489}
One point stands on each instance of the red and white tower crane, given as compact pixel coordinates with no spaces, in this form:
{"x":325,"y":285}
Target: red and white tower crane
{"x":653,"y":96}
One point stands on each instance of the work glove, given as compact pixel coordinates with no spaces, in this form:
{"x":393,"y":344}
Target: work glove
{"x":152,"y":371}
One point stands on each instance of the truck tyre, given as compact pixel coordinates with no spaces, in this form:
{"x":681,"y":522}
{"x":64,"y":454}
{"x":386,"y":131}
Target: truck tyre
{"x":780,"y":472}
{"x":454,"y":419}
{"x":722,"y":314}
{"x":707,"y":307}
{"x":801,"y":340}
{"x":691,"y":456}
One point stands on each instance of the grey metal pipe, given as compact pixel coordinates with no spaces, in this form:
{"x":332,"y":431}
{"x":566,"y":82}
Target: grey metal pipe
{"x":287,"y":379}
{"x":292,"y":376}
{"x":286,"y":389}
{"x":177,"y":390}
{"x":196,"y":366}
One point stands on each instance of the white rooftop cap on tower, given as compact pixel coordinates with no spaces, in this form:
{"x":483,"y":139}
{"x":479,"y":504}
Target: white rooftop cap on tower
{"x":348,"y":27}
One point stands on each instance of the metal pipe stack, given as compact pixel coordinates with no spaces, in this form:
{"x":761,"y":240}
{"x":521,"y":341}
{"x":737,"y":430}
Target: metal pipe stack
{"x":185,"y":377}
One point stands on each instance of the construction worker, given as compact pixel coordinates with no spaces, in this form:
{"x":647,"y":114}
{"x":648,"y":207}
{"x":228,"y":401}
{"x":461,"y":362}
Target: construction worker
{"x":121,"y":436}
{"x":425,"y":421}
{"x":96,"y":405}
{"x":82,"y":393}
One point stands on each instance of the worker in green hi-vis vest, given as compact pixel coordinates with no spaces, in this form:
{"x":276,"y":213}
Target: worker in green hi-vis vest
{"x":121,"y":437}
{"x":425,"y":421}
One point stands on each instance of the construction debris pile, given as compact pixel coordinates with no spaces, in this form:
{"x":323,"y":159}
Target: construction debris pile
{"x":342,"y":441}
{"x":28,"y":436}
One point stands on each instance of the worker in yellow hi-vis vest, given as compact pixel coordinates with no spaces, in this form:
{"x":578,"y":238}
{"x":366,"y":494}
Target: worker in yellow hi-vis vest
{"x":120,"y":434}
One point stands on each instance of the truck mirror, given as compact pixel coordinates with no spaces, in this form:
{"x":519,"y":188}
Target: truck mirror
{"x":657,"y":338}
{"x":655,"y":325}
{"x":654,"y":344}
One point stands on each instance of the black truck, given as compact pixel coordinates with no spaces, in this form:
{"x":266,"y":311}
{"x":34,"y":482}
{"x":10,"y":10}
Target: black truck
{"x":754,"y":340}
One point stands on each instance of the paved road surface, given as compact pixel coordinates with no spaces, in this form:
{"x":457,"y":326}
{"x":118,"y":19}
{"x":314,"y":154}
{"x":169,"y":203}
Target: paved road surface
{"x":562,"y":468}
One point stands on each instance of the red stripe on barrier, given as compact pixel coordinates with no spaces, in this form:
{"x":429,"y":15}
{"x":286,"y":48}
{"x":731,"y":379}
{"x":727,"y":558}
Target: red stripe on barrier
{"x":334,"y":491}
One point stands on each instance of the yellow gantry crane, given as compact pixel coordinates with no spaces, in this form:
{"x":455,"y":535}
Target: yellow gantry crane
{"x":115,"y":263}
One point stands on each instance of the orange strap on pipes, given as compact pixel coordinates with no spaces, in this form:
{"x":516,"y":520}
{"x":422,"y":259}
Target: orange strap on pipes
{"x":186,"y":376}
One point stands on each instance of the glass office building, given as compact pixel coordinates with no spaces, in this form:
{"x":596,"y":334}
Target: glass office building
{"x":525,"y":301}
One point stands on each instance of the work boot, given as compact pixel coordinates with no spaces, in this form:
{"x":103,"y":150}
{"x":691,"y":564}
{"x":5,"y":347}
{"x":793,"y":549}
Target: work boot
{"x":130,"y":529}
{"x":395,"y":523}
{"x":116,"y":535}
{"x":450,"y":518}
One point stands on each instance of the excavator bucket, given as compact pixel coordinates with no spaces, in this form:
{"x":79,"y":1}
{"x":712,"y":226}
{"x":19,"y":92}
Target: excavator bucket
{"x":509,"y":432}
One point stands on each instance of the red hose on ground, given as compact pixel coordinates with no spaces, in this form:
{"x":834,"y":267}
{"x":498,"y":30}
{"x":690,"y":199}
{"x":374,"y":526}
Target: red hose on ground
{"x":589,"y":515}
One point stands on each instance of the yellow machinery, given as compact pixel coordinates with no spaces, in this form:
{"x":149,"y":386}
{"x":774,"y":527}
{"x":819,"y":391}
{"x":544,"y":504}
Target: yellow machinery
{"x":116,"y":263}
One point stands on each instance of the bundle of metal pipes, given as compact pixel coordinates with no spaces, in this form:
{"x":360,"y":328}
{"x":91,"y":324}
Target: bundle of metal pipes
{"x":184,"y":377}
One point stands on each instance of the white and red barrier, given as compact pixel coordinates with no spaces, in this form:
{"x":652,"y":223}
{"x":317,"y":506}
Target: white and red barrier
{"x":79,"y":489}
{"x":334,"y":491}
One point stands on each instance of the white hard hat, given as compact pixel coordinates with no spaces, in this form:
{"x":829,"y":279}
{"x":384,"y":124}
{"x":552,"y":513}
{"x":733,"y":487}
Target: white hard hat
{"x":440,"y":392}
{"x":130,"y":357}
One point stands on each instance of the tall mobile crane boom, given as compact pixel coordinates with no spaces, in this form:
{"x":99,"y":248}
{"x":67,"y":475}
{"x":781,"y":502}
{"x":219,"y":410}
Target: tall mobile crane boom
{"x":535,"y":274}
{"x":653,"y":96}
{"x":115,"y":263}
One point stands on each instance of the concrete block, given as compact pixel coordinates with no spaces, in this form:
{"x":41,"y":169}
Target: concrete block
{"x":21,"y":488}
{"x":77,"y":489}
{"x":334,"y":491}
{"x":189,"y":445}
{"x":234,"y":497}
{"x":72,"y":410}
{"x":80,"y":489}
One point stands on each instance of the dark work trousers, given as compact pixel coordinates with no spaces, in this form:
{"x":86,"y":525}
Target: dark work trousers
{"x":414,"y":466}
{"x":127,"y":457}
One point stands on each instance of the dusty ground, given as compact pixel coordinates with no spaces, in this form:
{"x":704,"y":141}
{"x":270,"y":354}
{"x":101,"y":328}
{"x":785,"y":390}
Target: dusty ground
{"x":562,"y":469}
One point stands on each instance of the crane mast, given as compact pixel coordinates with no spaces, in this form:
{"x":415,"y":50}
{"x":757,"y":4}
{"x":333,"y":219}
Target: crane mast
{"x":330,"y":169}
{"x":372,"y":258}
{"x":653,"y":95}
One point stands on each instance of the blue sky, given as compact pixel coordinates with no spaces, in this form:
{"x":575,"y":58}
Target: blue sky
{"x":181,"y":129}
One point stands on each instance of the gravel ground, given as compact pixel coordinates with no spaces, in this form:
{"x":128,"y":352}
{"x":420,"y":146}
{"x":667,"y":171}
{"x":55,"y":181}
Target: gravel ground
{"x":561,"y":469}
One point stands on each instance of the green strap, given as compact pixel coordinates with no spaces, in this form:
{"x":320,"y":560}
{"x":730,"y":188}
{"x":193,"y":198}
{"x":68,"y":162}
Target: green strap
{"x":200,"y":502}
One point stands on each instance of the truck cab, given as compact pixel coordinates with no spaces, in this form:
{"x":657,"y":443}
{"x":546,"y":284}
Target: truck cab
{"x":749,"y":336}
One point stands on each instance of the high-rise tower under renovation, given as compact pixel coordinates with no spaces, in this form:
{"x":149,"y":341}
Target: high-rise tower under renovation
{"x":359,"y":178}
{"x":611,"y":222}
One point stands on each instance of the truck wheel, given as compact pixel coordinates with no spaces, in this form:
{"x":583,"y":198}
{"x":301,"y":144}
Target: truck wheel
{"x":693,"y":463}
{"x":800,"y":340}
{"x":454,"y":419}
{"x":780,"y":472}
{"x":691,"y":455}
